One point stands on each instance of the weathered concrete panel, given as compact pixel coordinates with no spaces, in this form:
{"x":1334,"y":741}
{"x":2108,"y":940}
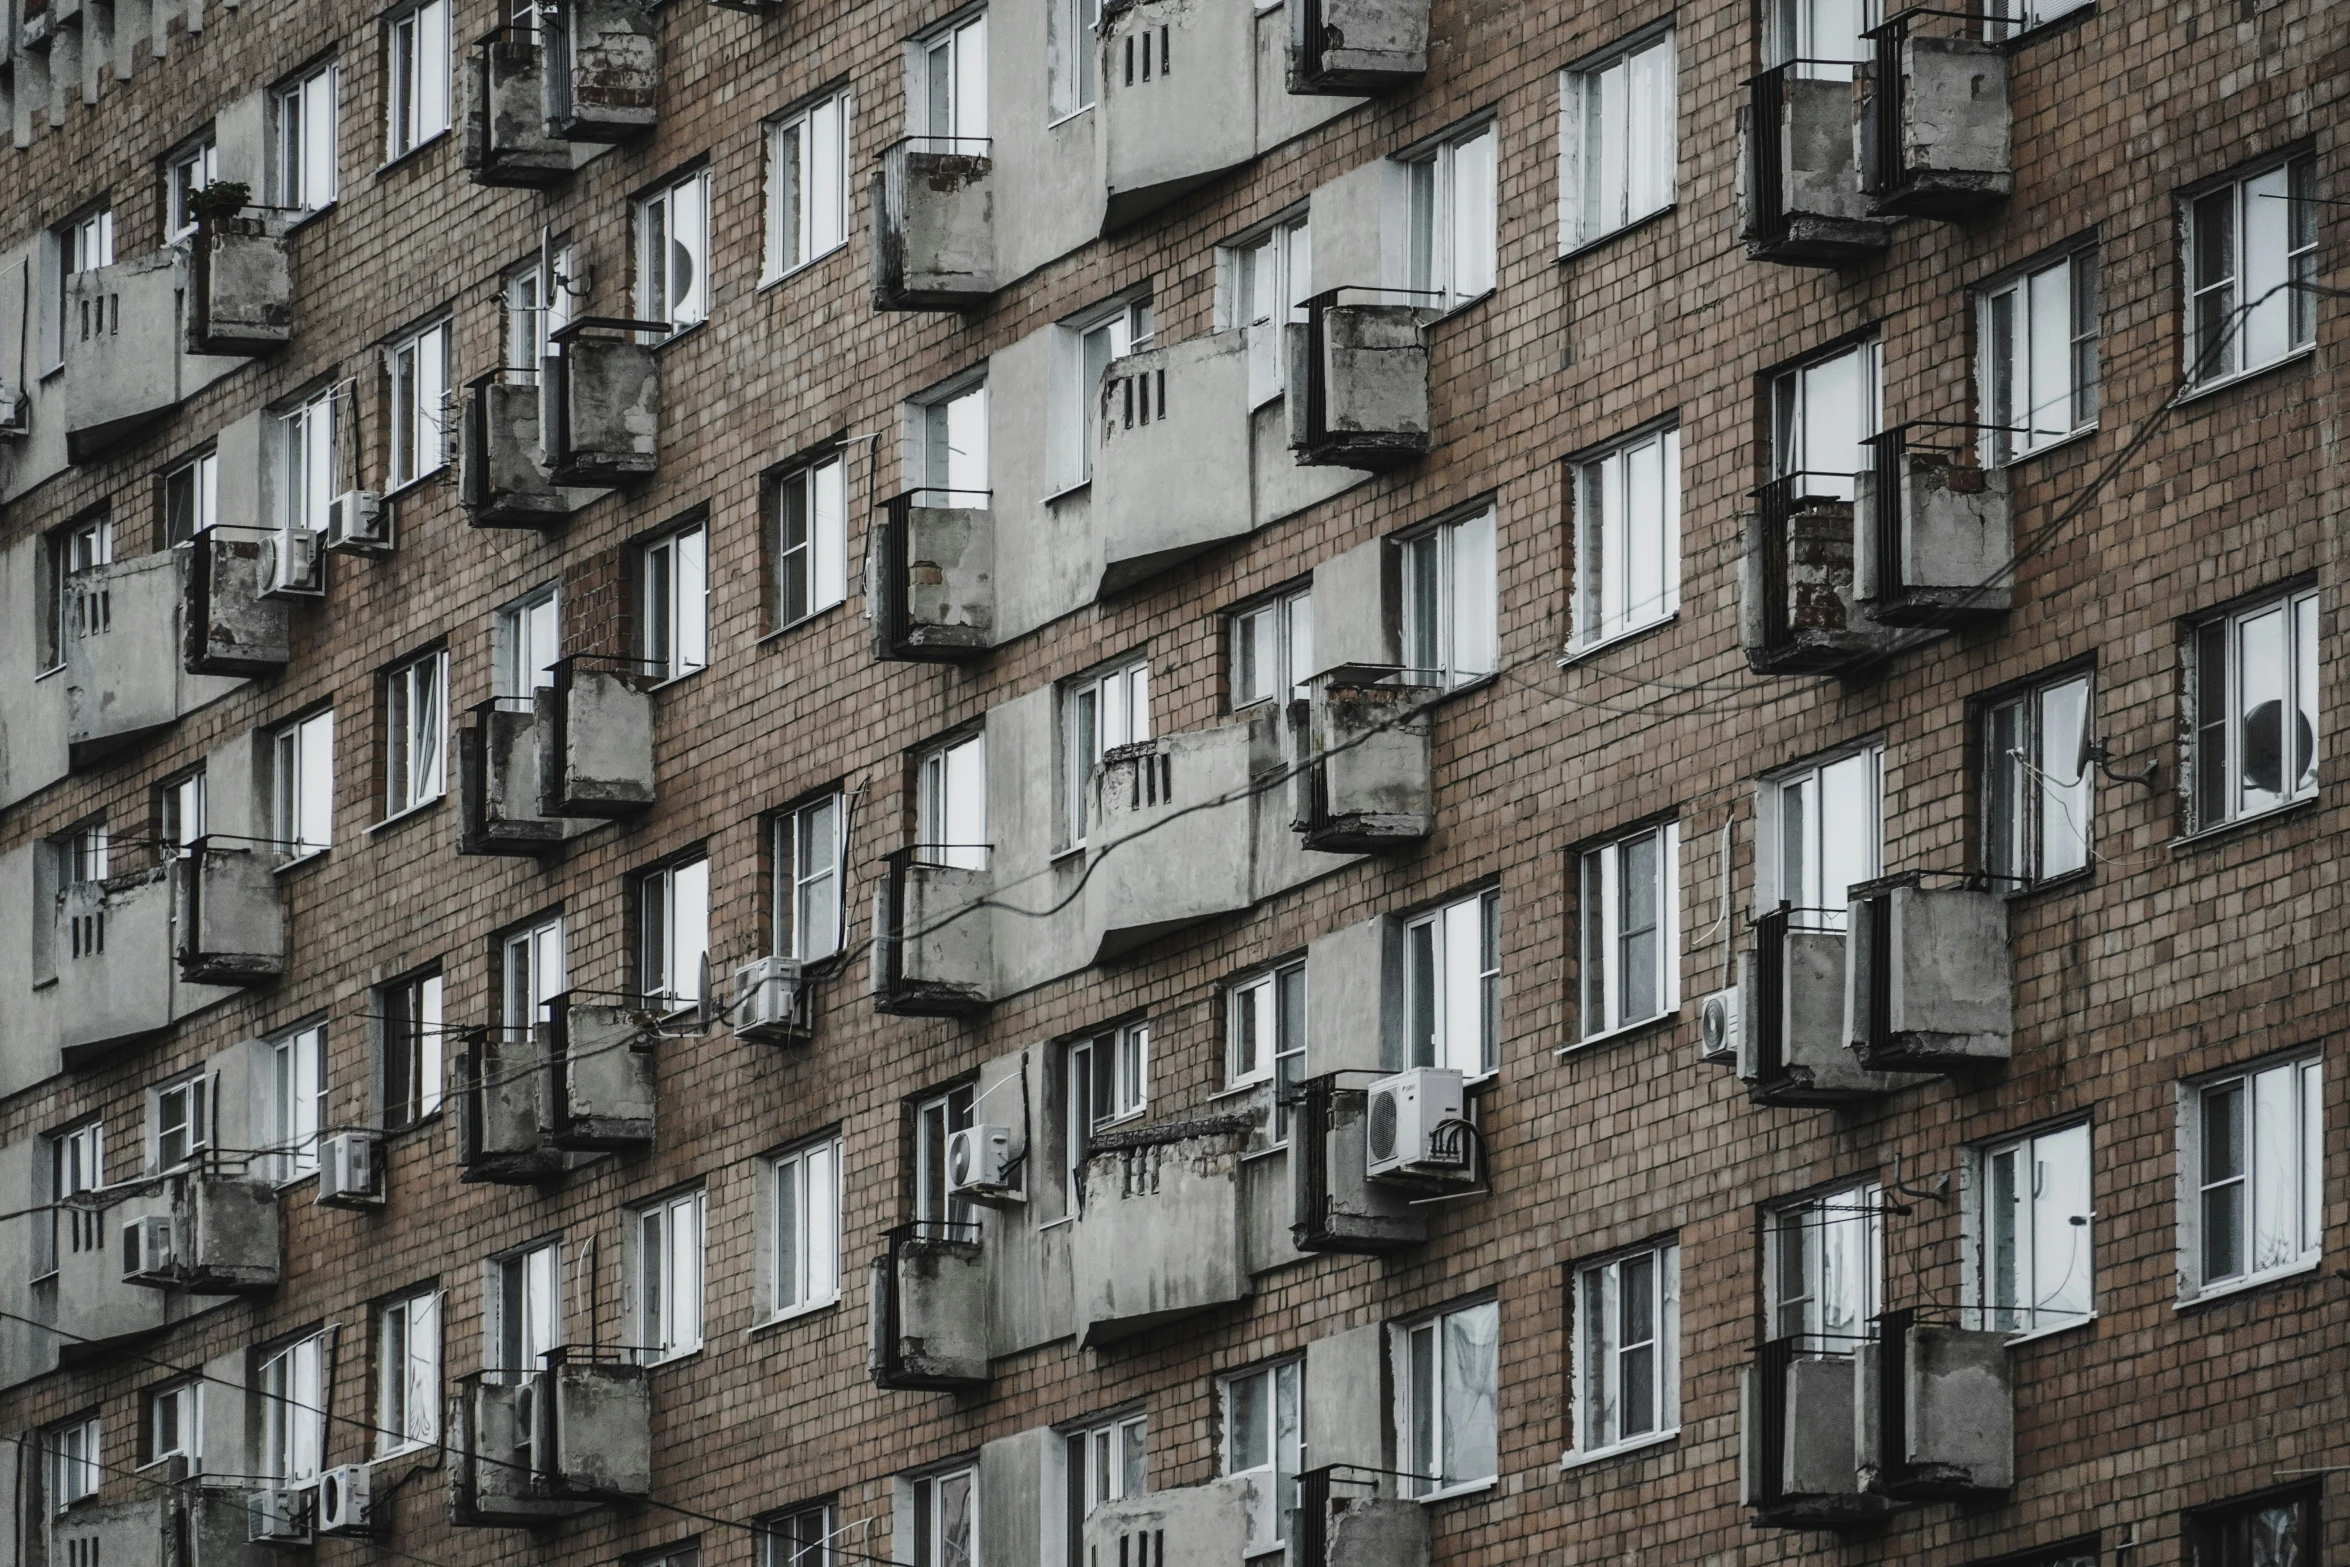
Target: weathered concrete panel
{"x":607,"y":87}
{"x":240,"y":285}
{"x":1369,"y":762}
{"x":600,"y":1089}
{"x":1157,"y":1234}
{"x":595,"y":744}
{"x":1949,"y":998}
{"x":1954,"y":533}
{"x":605,"y":401}
{"x":1178,"y":100}
{"x":1356,"y":46}
{"x":228,"y":625}
{"x":602,"y":1427}
{"x":231,"y":915}
{"x":1196,"y":1526}
{"x":1172,"y":470}
{"x":934,"y":244}
{"x":503,"y":120}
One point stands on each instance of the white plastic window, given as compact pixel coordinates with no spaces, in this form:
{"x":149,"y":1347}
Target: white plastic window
{"x":2039,"y":369}
{"x":2257,"y":1198}
{"x":936,"y":1120}
{"x":1822,"y":416}
{"x":2040,"y":784}
{"x":2255,"y":706}
{"x":673,"y":253}
{"x":76,"y":1464}
{"x":1631,"y":961}
{"x":538,"y":303}
{"x":1265,"y":1441}
{"x":534,"y":965}
{"x":1825,"y":1274}
{"x":420,"y":391}
{"x":305,"y":163}
{"x":1627,"y":1349}
{"x":1826,"y":36}
{"x":1107,"y":1463}
{"x":1452,"y":986}
{"x":529,"y":1308}
{"x":1451,"y":602}
{"x":191,"y":498}
{"x":1098,"y":714}
{"x":293,"y":1411}
{"x":946,"y":1519}
{"x":1269,"y":276}
{"x":1449,"y":1382}
{"x":185,"y":173}
{"x":674,"y":914}
{"x":305,"y":777}
{"x":1822,"y":834}
{"x":809,"y":844}
{"x":175,"y":1424}
{"x":806,"y":1194}
{"x":811,"y":530}
{"x":1628,"y":538}
{"x":676,"y":575}
{"x":294,"y":1101}
{"x":1450,"y":217}
{"x":1109,"y":1081}
{"x":413,"y":1076}
{"x":951,"y":810}
{"x":1088,"y":347}
{"x":183,"y":1120}
{"x":669,"y":1277}
{"x":1273,"y":649}
{"x":2252,"y":271}
{"x":416,"y":724}
{"x":417,"y":104}
{"x":808,"y":184}
{"x":951,"y":84}
{"x":308,"y":477}
{"x":2036,"y":1249}
{"x":954,"y":448}
{"x":1266,"y":1028}
{"x":408,"y":1374}
{"x":529,"y":640}
{"x":1071,"y":81}
{"x":1617,"y":134}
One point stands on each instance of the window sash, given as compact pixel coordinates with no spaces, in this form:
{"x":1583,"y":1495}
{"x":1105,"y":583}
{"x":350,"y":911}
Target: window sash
{"x":306,"y":170}
{"x":1812,"y":868}
{"x":1628,"y":538}
{"x":535,"y":976}
{"x":946,"y":1519}
{"x":2252,"y":257}
{"x":1451,"y":1377}
{"x":1823,"y":415}
{"x":1450,"y":608}
{"x":296,"y":1089}
{"x":408,"y":1374}
{"x":2253,"y":668}
{"x":191,"y":498}
{"x":809,"y":212}
{"x":293,"y":1411}
{"x":1273,"y":650}
{"x":1825,"y":1274}
{"x":669,"y":1277}
{"x":675,"y":910}
{"x":1452,"y":981}
{"x":416,"y":724}
{"x":1265,"y":1436}
{"x":188,"y":173}
{"x":809,"y":845}
{"x":1627,"y":1351}
{"x":420,"y":385}
{"x":529,"y":1307}
{"x":951,"y":806}
{"x":308,"y":446}
{"x":673,"y":253}
{"x":1072,"y":87}
{"x":2039,"y":370}
{"x":182,"y":1121}
{"x":2040,"y":790}
{"x":807,"y":1264}
{"x":2259,"y":1163}
{"x":810,"y":541}
{"x":175,"y":1424}
{"x":76,"y":1462}
{"x":305,"y":786}
{"x":1097,"y":716}
{"x":1631,"y":930}
{"x":413,"y":1074}
{"x":419,"y":99}
{"x":935,"y":1120}
{"x":2037,"y":1252}
{"x":529,"y":642}
{"x":952,"y":92}
{"x":955,"y":447}
{"x":1619,"y":135}
{"x":1451,"y":217}
{"x":677,"y":603}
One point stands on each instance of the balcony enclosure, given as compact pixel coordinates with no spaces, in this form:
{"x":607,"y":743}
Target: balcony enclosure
{"x":934,"y":576}
{"x":1799,"y":195}
{"x":1929,"y":984}
{"x":1356,"y":46}
{"x":595,"y":740}
{"x":1361,"y":360}
{"x":1792,"y":1046}
{"x":930,"y":1307}
{"x":934,"y":245}
{"x":240,"y":297}
{"x":498,"y":784}
{"x":1937,"y":134}
{"x":1933,"y":533}
{"x":1365,"y":783}
{"x":1936,"y":1411}
{"x":934,"y":948}
{"x":1798,"y":601}
{"x":1335,"y":1207}
{"x":1797,"y":1434}
{"x":601,"y":418}
{"x":1158,"y":1232}
{"x":230,"y":625}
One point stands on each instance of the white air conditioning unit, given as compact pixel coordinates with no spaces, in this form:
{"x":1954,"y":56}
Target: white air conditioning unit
{"x":343,"y":1501}
{"x":16,"y":410}
{"x":280,"y":1517}
{"x":1718,"y":1025}
{"x":768,"y":1000}
{"x":297,"y":565}
{"x":350,"y":1170}
{"x":359,"y":523}
{"x":979,"y":1166}
{"x":149,"y":1255}
{"x":1407,"y":1138}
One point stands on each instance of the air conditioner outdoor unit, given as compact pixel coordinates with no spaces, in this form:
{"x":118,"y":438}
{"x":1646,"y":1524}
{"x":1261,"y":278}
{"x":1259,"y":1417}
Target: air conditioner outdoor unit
{"x":343,"y":1501}
{"x":297,"y":565}
{"x":148,"y":1253}
{"x":350,"y":1170}
{"x":1416,"y":1129}
{"x":979,"y":1166}
{"x":1718,"y":1026}
{"x":359,"y":523}
{"x":768,"y":996}
{"x":16,"y":410}
{"x":281,"y":1517}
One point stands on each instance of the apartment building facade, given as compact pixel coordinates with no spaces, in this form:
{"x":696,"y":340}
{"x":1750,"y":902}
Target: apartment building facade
{"x":1350,"y":782}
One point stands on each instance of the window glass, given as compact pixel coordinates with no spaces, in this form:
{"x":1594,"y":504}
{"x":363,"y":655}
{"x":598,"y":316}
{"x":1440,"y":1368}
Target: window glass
{"x":529,"y":641}
{"x":807,"y":1225}
{"x":1452,"y":983}
{"x":1631,"y":930}
{"x":1824,"y":836}
{"x":2039,"y":370}
{"x":1627,"y":1351}
{"x":191,"y":498}
{"x":408,"y":1373}
{"x":416,"y":721}
{"x":418,"y":101}
{"x":1451,"y":1386}
{"x":77,"y":1164}
{"x":1823,"y":415}
{"x":808,"y":903}
{"x":307,"y":472}
{"x":669,"y":1277}
{"x":1618,"y":124}
{"x":1450,"y":602}
{"x":2258,"y":1168}
{"x":293,"y":1411}
{"x":811,"y":526}
{"x":1089,"y":346}
{"x":305,"y":168}
{"x":1824,"y":1277}
{"x":2037,"y":1252}
{"x":185,"y":173}
{"x":946,"y":1524}
{"x":936,"y":1120}
{"x":2255,"y":705}
{"x":1098,"y":714}
{"x":1108,"y":1081}
{"x":184,"y":811}
{"x":538,"y":301}
{"x":175,"y":1425}
{"x":534,"y":965}
{"x":674,"y":911}
{"x":1072,"y":55}
{"x":1273,"y":650}
{"x":954,"y":448}
{"x":420,"y":391}
{"x":952,"y":804}
{"x":529,"y":1305}
{"x":1265,"y":1441}
{"x":305,"y":777}
{"x":801,"y":1537}
{"x":1825,"y":38}
{"x":1266,"y":1028}
{"x":1628,"y":538}
{"x":294,"y":1101}
{"x":183,"y":1121}
{"x":1267,"y":278}
{"x":808,"y":185}
{"x":76,"y":1462}
{"x":412,"y":1035}
{"x":2039,"y":787}
{"x":673,"y":253}
{"x":1450,"y":217}
{"x":951,"y":90}
{"x":2252,"y":266}
{"x":1106,"y":1463}
{"x":676,"y":574}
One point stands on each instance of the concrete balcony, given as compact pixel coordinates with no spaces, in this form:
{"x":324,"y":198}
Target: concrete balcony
{"x":1798,"y":599}
{"x":1166,"y":819}
{"x":502,"y":1089}
{"x":1344,"y":47}
{"x":1929,"y":985}
{"x":505,"y":136}
{"x":1791,"y":1037}
{"x":112,"y":943}
{"x":1343,"y":1521}
{"x":503,"y":477}
{"x":240,"y":284}
{"x":931,"y":1297}
{"x":96,"y":1302}
{"x":1365,"y":783}
{"x":1934,"y":536}
{"x":127,"y":359}
{"x":934,"y":577}
{"x":603,"y":70}
{"x":1796,"y":1429}
{"x":230,"y":913}
{"x":1358,"y":378}
{"x":598,"y":1094}
{"x":601,"y":420}
{"x":1935,"y":1412}
{"x":1159,"y":1227}
{"x":1195,"y":1526}
{"x":1177,"y":102}
{"x":527,"y":1448}
{"x":1799,"y":195}
{"x":1171,"y":472}
{"x":1335,"y":1206}
{"x":230,"y":624}
{"x":123,"y":673}
{"x":934,"y":224}
{"x":595,"y":745}
{"x":202,"y":1525}
{"x":498,"y":784}
{"x":223,"y":1238}
{"x":934,"y":948}
{"x":1937,"y":134}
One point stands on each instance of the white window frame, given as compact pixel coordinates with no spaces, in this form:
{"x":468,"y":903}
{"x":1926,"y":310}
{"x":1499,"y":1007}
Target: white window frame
{"x":804,"y":1205}
{"x":416,"y":61}
{"x":408,"y":1373}
{"x":673,"y":221}
{"x":675,"y":601}
{"x":185,"y":1438}
{"x":187,"y":1102}
{"x":528,"y":635}
{"x":946,"y":95}
{"x":934,"y":1545}
{"x":1107,"y":1461}
{"x":1278,"y":1392}
{"x":302,"y":776}
{"x":2290,"y":1135}
{"x":191,"y":490}
{"x":294,"y":1101}
{"x":1127,"y":1049}
{"x":810,"y":521}
{"x":2040,"y":785}
{"x":1603,"y":1321}
{"x":77,"y":1466}
{"x":951,"y":427}
{"x":412,"y":1030}
{"x":807,"y":184}
{"x":2217,"y":746}
{"x":2039,"y":1244}
{"x":1073,"y":64}
{"x":1793,"y":809}
{"x":1605,"y":910}
{"x":309,"y":468}
{"x":525,"y":1297}
{"x":673,"y":924}
{"x":1265,"y":1029}
{"x":1452,"y":600}
{"x":417,"y":367}
{"x":1433,"y":973}
{"x":536,"y":970}
{"x":66,"y":551}
{"x":1099,"y":712}
{"x":1273,"y":649}
{"x":951,"y":803}
{"x":668,"y":1241}
{"x":2037,"y":371}
{"x":186,"y":172}
{"x":293,"y":1410}
{"x":2004,"y":20}
{"x":76,"y":1156}
{"x":937,"y":1117}
{"x":304,"y":139}
{"x":1451,"y":214}
{"x":84,"y":244}
{"x":1807,"y":402}
{"x":1627,"y":538}
{"x":538,"y":298}
{"x":1087,"y":345}
{"x":2257,"y":307}
{"x":811,"y":903}
{"x":1617,"y":138}
{"x":1827,"y":35}
{"x":416,"y":729}
{"x":1266,"y":275}
{"x":783,"y":1537}
{"x":185,"y":810}
{"x":1839,"y":1261}
{"x":1427,"y":1454}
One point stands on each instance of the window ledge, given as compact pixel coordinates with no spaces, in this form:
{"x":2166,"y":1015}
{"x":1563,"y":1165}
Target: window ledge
{"x":1454,"y":1492}
{"x":663,"y":685}
{"x":2070,"y":881}
{"x":1579,"y":1459}
{"x":1066,"y":118}
{"x":770,"y":279}
{"x":802,"y":623}
{"x":53,"y":669}
{"x":2221,"y":383}
{"x":417,"y":483}
{"x":415,"y":152}
{"x":2055,"y":24}
{"x":1066,"y":491}
{"x":2035,"y":1335}
{"x":1601,"y":241}
{"x":410,"y":814}
{"x":2188,"y":843}
{"x":783,"y":1319}
{"x":673,"y":1358}
{"x":1461,"y":307}
{"x":2059,"y":444}
{"x":1245,"y":1089}
{"x":1659,"y":1023}
{"x":300,"y":860}
{"x":1576,"y":653}
{"x":2214,"y":1293}
{"x":681,"y":333}
{"x":309,"y":217}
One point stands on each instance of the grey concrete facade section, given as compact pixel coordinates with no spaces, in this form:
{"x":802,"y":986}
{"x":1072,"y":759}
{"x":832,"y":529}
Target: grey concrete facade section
{"x":602,"y":1416}
{"x":1949,"y":1001}
{"x":1957,"y":1435}
{"x":504,"y":479}
{"x":1356,"y":46}
{"x":229,"y":1224}
{"x":93,"y":1303}
{"x":33,"y":748}
{"x":595,"y":744}
{"x":1020,"y":1480}
{"x":1954,"y":530}
{"x":1377,"y":1531}
{"x":114,"y":967}
{"x":1178,"y":100}
{"x":1171,"y":472}
{"x":228,"y":626}
{"x":230,"y":913}
{"x":240,"y":285}
{"x":1348,"y":1407}
{"x":1158,"y":1232}
{"x":126,"y":365}
{"x":1354,"y":1010}
{"x":934,"y":225}
{"x":503,"y":118}
{"x":122,"y":666}
{"x":1193,"y":1526}
{"x":1358,"y":621}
